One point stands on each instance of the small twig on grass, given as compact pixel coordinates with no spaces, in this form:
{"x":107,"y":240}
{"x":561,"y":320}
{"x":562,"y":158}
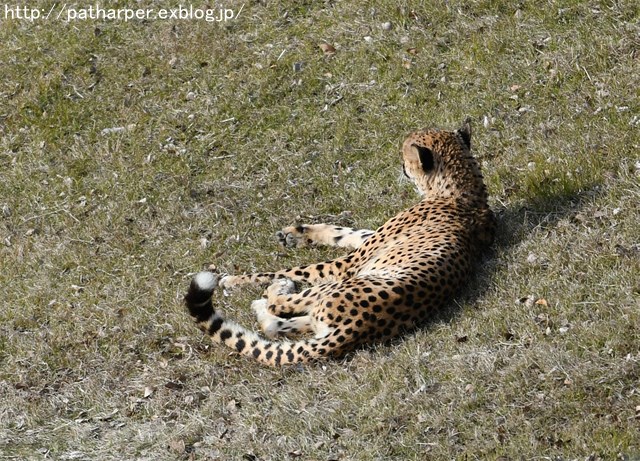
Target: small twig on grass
{"x":63,"y":210}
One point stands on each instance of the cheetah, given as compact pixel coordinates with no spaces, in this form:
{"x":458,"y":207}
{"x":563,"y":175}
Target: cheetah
{"x":391,"y":280}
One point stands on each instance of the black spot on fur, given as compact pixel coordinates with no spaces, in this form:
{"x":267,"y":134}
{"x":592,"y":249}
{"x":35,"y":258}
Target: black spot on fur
{"x":215,"y":326}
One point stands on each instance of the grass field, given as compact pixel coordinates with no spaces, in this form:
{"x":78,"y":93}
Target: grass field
{"x":134,"y":153}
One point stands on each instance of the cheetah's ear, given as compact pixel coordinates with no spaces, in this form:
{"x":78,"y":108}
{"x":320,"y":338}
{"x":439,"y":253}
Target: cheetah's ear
{"x":426,"y":158}
{"x":465,"y":132}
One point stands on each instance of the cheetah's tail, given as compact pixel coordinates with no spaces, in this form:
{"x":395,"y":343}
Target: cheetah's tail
{"x":242,"y":340}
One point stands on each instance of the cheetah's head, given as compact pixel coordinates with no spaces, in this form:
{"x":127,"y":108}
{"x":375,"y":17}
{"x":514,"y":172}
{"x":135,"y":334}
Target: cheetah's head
{"x":440,"y":162}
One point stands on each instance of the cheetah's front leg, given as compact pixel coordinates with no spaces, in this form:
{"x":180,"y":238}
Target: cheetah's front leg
{"x":323,"y":234}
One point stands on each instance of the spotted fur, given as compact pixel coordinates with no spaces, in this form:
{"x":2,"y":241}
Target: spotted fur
{"x":393,"y":279}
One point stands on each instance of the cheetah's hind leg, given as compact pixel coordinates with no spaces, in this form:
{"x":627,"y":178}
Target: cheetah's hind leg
{"x":271,"y":324}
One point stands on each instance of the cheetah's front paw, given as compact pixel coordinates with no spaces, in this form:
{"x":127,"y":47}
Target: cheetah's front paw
{"x":293,"y":236}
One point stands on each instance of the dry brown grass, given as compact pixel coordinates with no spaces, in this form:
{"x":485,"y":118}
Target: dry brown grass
{"x":225,"y":142}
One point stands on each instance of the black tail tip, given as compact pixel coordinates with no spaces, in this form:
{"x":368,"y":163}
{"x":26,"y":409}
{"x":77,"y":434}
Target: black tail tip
{"x":198,"y":298}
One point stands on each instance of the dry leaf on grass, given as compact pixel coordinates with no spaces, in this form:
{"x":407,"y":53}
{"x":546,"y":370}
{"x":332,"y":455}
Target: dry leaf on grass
{"x":327,"y":49}
{"x":177,"y":446}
